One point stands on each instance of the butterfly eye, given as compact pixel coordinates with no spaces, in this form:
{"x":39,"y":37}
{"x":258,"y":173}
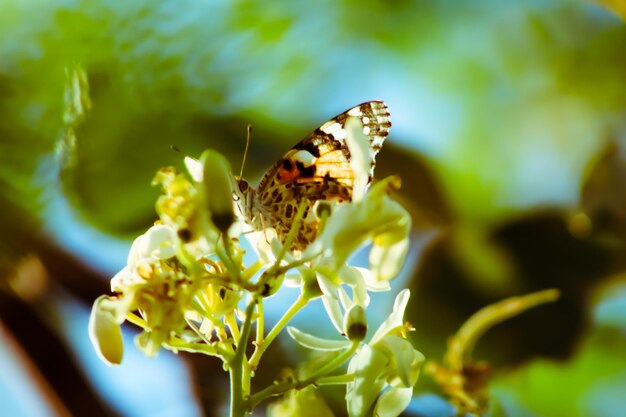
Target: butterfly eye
{"x":243,"y":186}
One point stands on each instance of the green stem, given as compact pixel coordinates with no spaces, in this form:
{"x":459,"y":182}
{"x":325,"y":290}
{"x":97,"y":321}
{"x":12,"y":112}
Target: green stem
{"x":460,"y":345}
{"x":295,"y":228}
{"x":225,"y":256}
{"x":136,"y":320}
{"x":335,"y":380}
{"x":211,"y":350}
{"x":260,"y":324}
{"x":237,"y":407}
{"x":263,"y":345}
{"x":283,"y":269}
{"x":232,"y":325}
{"x":236,"y":367}
{"x":280,"y":388}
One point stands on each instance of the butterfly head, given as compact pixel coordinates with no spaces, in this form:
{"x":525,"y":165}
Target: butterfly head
{"x":243,"y":197}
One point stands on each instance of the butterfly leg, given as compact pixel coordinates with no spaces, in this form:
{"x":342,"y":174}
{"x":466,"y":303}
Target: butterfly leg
{"x":263,"y":225}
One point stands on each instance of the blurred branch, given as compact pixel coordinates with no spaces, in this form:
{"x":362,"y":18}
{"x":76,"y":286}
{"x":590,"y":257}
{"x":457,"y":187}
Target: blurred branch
{"x":464,"y":379}
{"x":28,"y":320}
{"x":36,"y":379}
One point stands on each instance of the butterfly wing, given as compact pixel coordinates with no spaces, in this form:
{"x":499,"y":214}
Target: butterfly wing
{"x":324,"y":154}
{"x":318,"y":168}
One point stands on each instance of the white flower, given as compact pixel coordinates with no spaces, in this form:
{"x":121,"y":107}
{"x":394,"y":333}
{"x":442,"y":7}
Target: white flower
{"x":359,"y":146}
{"x":157,"y":243}
{"x":385,"y":369}
{"x":302,"y":403}
{"x":104,"y":328}
{"x":388,"y":364}
{"x":376,"y":219}
{"x":194,"y":167}
{"x":108,"y":313}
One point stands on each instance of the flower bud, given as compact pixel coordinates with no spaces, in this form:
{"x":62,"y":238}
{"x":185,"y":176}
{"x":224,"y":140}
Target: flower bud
{"x":310,"y":287}
{"x":217,"y":189}
{"x":355,"y":323}
{"x":271,"y":286}
{"x":323,"y":208}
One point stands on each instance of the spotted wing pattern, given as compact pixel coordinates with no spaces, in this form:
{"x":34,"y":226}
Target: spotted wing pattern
{"x":317,"y":168}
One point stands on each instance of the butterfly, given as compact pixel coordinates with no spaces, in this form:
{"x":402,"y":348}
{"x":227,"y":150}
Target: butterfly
{"x":316,"y":168}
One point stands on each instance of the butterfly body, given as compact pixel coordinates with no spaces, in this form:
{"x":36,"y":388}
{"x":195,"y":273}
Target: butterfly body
{"x":316,"y":168}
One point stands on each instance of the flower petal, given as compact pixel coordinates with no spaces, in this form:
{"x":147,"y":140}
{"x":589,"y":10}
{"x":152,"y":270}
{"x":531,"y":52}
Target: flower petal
{"x":393,"y":402}
{"x":293,"y":280}
{"x":395,"y":319}
{"x":157,"y":242}
{"x":371,"y":283}
{"x":359,"y":146}
{"x":345,"y":300}
{"x":331,"y":304}
{"x":216,"y":193}
{"x":194,"y":167}
{"x":104,"y":330}
{"x":408,"y":361}
{"x":125,"y":279}
{"x":354,"y":277}
{"x":387,"y":261}
{"x":366,"y":365}
{"x":376,"y":217}
{"x":317,"y":343}
{"x":306,"y":402}
{"x":326,"y":284}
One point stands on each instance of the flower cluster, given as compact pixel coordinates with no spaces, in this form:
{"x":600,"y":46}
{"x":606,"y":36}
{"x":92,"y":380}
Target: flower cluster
{"x":187,"y":287}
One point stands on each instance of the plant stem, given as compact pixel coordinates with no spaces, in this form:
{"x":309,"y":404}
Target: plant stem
{"x":460,"y":345}
{"x":237,"y":407}
{"x":236,"y":367}
{"x":335,"y":380}
{"x":181,"y":345}
{"x":293,"y":232}
{"x":226,"y":258}
{"x":277,"y":389}
{"x":232,"y":325}
{"x":262,"y":347}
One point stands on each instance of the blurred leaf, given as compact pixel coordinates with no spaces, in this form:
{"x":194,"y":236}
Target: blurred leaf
{"x":306,"y":403}
{"x":617,"y":6}
{"x":609,"y":301}
{"x":593,"y":379}
{"x":487,"y":264}
{"x":603,"y":198}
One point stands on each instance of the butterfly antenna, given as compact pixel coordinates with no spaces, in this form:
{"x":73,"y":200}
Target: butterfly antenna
{"x":245,"y":152}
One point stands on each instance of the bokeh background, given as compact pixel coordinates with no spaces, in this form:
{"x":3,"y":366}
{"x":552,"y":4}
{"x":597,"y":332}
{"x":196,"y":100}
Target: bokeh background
{"x":509,"y":131}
